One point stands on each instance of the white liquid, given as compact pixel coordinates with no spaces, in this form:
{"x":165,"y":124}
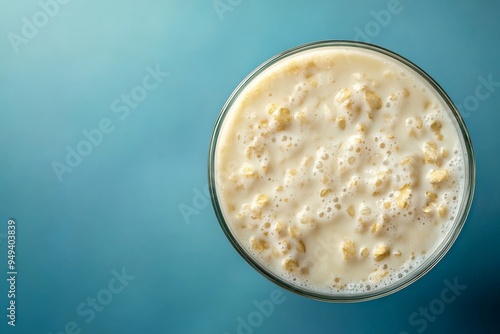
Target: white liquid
{"x":339,"y":170}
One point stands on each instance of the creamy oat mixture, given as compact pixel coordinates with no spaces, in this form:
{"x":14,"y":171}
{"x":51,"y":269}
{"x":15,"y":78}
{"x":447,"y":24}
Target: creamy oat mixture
{"x":339,"y":170}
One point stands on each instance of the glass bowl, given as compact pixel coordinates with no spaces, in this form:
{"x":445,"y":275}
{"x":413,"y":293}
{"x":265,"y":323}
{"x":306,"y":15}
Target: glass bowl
{"x":430,"y":260}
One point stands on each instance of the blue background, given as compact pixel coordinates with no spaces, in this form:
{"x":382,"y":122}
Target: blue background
{"x":121,"y":207}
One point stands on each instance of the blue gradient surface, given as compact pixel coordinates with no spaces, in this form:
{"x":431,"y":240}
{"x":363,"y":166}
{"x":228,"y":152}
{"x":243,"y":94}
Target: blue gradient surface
{"x":103,"y":246}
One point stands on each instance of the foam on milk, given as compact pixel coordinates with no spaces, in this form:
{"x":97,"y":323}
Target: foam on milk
{"x":339,"y":170}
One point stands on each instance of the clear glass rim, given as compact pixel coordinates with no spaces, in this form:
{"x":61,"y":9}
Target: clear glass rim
{"x":429,"y":263}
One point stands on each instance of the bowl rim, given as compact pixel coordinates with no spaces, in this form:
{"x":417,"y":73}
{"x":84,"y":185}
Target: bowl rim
{"x":429,"y":262}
